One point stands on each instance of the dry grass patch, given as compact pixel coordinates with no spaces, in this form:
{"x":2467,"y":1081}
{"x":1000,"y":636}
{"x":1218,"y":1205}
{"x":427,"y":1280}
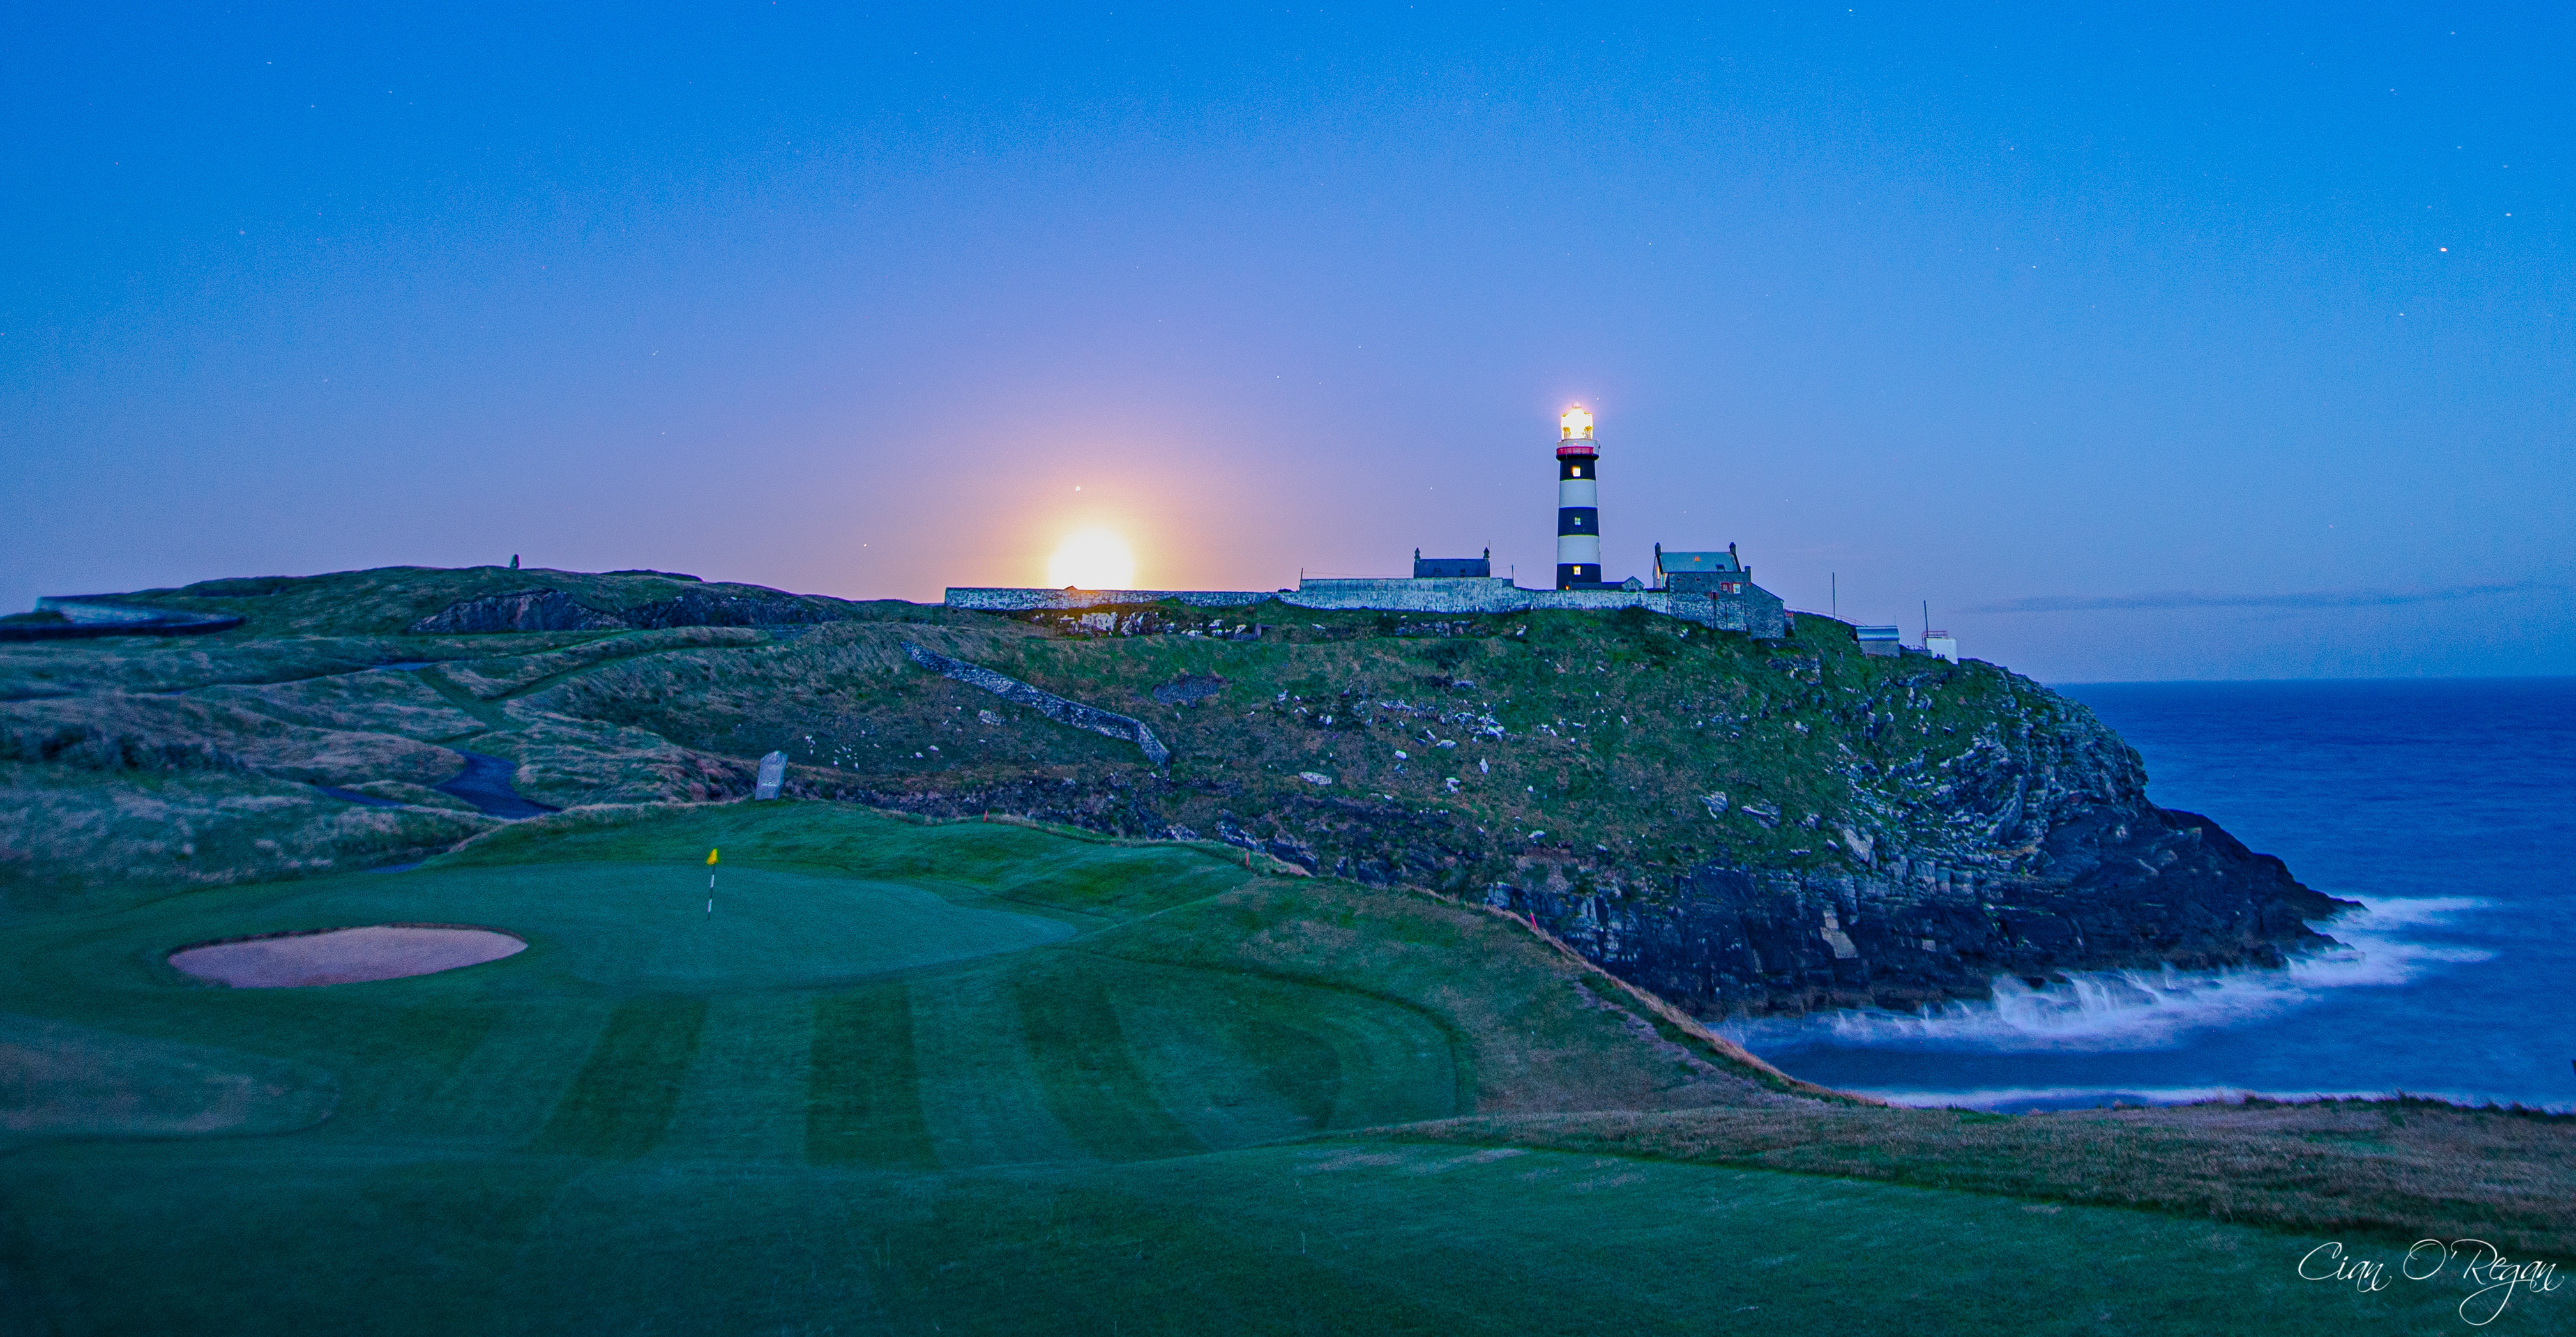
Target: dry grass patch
{"x":2403,"y":1169}
{"x":158,"y":664}
{"x":115,"y":731}
{"x":394,"y":703}
{"x":68,"y":833}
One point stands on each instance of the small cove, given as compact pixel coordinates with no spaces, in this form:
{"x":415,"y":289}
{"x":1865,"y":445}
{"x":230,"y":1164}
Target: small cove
{"x":485,"y":783}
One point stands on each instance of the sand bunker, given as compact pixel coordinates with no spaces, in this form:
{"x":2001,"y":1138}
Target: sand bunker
{"x":344,"y":955}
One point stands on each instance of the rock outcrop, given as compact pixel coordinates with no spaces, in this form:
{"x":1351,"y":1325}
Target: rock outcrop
{"x":525,"y":610}
{"x":2038,"y":853}
{"x":2168,"y":888}
{"x":703,"y":608}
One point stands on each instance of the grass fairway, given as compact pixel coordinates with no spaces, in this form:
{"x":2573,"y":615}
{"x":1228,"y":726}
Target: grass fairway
{"x":963,"y":1078}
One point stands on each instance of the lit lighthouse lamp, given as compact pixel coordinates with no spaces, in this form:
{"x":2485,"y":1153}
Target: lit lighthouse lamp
{"x":1578,"y":502}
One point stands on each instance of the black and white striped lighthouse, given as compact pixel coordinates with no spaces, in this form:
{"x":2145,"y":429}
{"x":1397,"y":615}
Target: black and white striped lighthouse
{"x":1578,"y":502}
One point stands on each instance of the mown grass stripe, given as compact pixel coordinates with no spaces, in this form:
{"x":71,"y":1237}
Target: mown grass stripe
{"x":1294,"y":1063}
{"x":620,"y":1104}
{"x":1090,"y":1076}
{"x":863,"y":1090}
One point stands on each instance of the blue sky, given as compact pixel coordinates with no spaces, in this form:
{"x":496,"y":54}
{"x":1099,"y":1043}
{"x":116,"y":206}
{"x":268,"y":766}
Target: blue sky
{"x":2152,"y":343}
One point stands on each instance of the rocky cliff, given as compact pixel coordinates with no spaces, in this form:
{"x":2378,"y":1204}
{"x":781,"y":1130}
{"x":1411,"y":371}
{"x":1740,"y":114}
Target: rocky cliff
{"x":2046,"y":857}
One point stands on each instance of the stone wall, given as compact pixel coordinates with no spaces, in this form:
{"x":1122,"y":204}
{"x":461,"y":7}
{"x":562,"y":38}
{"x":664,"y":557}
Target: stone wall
{"x":1756,"y":612}
{"x":1000,"y":599}
{"x":61,"y":617}
{"x":1105,"y":722}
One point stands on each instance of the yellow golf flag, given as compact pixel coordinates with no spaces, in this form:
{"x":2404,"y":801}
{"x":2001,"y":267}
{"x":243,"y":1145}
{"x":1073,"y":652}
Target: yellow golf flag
{"x":711,"y":858}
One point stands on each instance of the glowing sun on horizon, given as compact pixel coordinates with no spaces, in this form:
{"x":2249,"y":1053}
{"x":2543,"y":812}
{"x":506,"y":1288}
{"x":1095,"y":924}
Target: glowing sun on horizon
{"x":1092,"y":559}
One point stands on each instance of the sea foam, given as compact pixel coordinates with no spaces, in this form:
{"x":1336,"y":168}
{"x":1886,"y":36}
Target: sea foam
{"x":2136,"y":1009}
{"x":2014,"y":1100}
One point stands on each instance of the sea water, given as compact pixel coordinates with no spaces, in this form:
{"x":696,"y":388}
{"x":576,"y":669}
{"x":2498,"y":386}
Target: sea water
{"x":2447,"y":808}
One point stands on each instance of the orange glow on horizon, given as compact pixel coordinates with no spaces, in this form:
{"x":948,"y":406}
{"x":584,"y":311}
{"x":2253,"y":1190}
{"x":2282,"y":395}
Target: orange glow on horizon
{"x":1092,"y":559}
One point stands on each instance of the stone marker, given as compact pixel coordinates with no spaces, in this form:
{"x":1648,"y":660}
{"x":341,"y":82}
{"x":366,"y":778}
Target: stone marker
{"x":773,"y":773}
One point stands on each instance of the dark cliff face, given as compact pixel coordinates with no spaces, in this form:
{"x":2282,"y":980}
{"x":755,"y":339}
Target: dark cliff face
{"x":2042,"y":855}
{"x":2156,"y":887}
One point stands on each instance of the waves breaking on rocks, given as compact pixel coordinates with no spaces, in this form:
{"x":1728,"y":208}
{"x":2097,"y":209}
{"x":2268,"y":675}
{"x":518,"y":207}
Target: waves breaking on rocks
{"x":2136,"y":1010}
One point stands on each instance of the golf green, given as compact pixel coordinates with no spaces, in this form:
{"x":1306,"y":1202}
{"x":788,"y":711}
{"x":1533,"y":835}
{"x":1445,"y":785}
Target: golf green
{"x":639,"y":926}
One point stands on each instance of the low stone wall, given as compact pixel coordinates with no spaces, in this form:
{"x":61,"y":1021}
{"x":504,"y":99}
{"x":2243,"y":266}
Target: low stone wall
{"x":997,"y":599}
{"x":74,"y":618}
{"x":1756,"y":612}
{"x":1436,"y":594}
{"x":1062,"y":711}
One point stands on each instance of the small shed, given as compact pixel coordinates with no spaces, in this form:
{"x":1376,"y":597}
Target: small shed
{"x":1880,"y":640}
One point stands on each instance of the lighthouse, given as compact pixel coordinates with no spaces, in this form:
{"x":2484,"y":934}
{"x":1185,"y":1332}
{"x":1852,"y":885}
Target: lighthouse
{"x":1578,"y":502}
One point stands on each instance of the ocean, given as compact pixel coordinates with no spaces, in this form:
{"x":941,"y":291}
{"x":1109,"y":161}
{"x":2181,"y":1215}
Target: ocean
{"x":2447,"y":808}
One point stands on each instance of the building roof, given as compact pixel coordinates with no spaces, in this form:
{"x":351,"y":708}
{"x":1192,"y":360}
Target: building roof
{"x":1669,"y":562}
{"x":1434,"y":567}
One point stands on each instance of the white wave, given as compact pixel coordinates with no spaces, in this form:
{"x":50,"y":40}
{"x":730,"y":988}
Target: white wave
{"x":2107,"y":1011}
{"x":2059,"y":1097}
{"x":2136,"y":1009}
{"x":2398,"y":912}
{"x":2370,"y":956}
